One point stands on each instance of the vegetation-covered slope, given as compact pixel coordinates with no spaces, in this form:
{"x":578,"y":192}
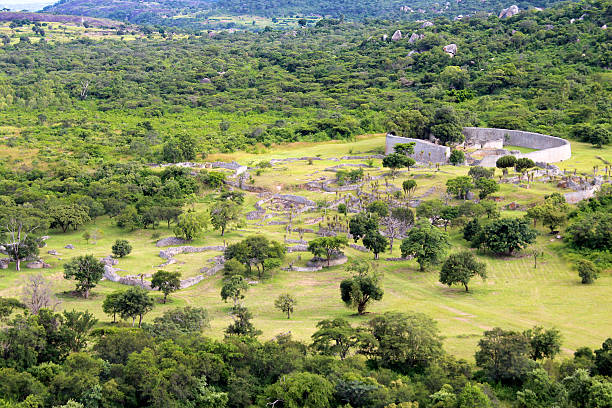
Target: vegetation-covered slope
{"x":194,"y":12}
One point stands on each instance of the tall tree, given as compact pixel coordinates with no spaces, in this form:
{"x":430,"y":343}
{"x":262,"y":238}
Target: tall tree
{"x":285,"y":303}
{"x":86,"y":270}
{"x":460,"y":268}
{"x":166,"y":282}
{"x":223,"y":214}
{"x":327,"y":246}
{"x":234,"y":288}
{"x":426,"y":243}
{"x":362,"y":287}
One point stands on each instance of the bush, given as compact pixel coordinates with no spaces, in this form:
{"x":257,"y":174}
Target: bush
{"x":587,"y":271}
{"x":456,"y":157}
{"x":121,"y":248}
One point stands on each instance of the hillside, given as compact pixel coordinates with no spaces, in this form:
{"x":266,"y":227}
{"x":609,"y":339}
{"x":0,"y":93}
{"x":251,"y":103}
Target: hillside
{"x":194,"y":13}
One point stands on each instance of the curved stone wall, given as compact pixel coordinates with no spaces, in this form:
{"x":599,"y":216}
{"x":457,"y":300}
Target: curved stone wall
{"x":550,"y":149}
{"x":424,"y":151}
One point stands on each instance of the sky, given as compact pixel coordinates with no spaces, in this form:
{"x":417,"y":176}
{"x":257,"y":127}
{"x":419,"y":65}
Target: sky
{"x":30,"y":5}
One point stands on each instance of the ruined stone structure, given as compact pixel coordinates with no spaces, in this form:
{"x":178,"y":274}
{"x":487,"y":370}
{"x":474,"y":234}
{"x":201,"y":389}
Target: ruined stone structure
{"x":424,"y":151}
{"x":550,"y":149}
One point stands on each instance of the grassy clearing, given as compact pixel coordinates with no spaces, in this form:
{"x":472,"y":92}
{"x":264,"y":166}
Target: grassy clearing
{"x":514,"y":296}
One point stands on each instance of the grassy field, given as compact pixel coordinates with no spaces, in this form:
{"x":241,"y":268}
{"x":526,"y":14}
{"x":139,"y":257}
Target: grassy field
{"x":515,"y":295}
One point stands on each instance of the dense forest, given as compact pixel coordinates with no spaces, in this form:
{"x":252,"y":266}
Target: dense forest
{"x":539,"y":70}
{"x":192,"y":13}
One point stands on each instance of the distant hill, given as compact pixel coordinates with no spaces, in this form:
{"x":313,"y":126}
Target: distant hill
{"x":190,"y":12}
{"x":57,"y":18}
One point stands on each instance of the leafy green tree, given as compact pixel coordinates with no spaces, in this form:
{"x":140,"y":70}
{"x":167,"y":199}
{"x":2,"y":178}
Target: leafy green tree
{"x":189,"y":226}
{"x":523,"y":163}
{"x":505,"y":162}
{"x":592,"y":230}
{"x":375,"y":242}
{"x":486,"y":187}
{"x":285,"y":303}
{"x":395,"y":161}
{"x":460,"y":268}
{"x":505,"y":236}
{"x":300,"y":390}
{"x":472,"y":396}
{"x":256,"y":251}
{"x":7,"y":306}
{"x":111,"y":305}
{"x":68,"y":215}
{"x":357,"y":291}
{"x":405,"y":342}
{"x":242,"y":325}
{"x":587,"y":270}
{"x":409,"y":186}
{"x":128,"y":218}
{"x":223,"y":214}
{"x":430,"y":210}
{"x":166,"y":282}
{"x":336,"y":337}
{"x":478,"y":172}
{"x":380,"y":208}
{"x":233,"y":267}
{"x":603,"y":358}
{"x":404,"y":148}
{"x":234,"y":288}
{"x":86,"y":270}
{"x":121,"y":248}
{"x":409,"y":123}
{"x":471,"y":229}
{"x":426,"y":243}
{"x":540,"y":391}
{"x":361,"y":224}
{"x":459,"y":186}
{"x":135,"y":302}
{"x":504,"y":355}
{"x":456,"y":157}
{"x":179,"y":149}
{"x":554,"y":215}
{"x":327,"y":246}
{"x":544,"y":343}
{"x":446,"y":126}
{"x":179,"y":321}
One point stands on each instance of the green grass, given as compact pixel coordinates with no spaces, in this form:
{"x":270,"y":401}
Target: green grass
{"x":515,"y":295}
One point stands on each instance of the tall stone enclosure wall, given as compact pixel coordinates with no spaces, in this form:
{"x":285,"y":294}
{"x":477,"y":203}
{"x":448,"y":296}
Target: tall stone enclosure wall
{"x":424,"y":151}
{"x":550,"y":149}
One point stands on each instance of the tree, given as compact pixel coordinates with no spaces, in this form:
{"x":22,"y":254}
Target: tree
{"x":111,"y":305}
{"x":179,"y":321}
{"x":544,"y":343}
{"x":405,"y":342}
{"x":395,"y":161}
{"x":395,"y":226}
{"x":300,"y":390}
{"x":408,"y":123}
{"x":404,"y":148}
{"x":603,"y":358}
{"x":478,"y":172}
{"x":285,"y":304}
{"x":336,"y":337}
{"x":223,"y":214}
{"x":7,"y":305}
{"x":379,"y":208}
{"x":540,"y":391}
{"x":135,"y":302}
{"x":554,"y":214}
{"x":446,"y":126}
{"x":166,"y":282}
{"x":472,"y":397}
{"x":17,"y":229}
{"x":361,"y":224}
{"x":459,"y":186}
{"x":504,"y":355}
{"x":242,"y":325}
{"x":523,"y":163}
{"x":356,"y":292}
{"x":426,"y":243}
{"x":587,"y":270}
{"x":409,"y":186}
{"x":189,"y":226}
{"x":327,"y":246}
{"x":456,"y":157}
{"x":592,"y":230}
{"x":471,"y":229}
{"x":128,"y":218}
{"x":37,"y":294}
{"x":460,"y":268}
{"x":256,"y":251}
{"x":506,"y":235}
{"x":68,"y":215}
{"x":486,"y":187}
{"x":505,"y":162}
{"x":86,"y":270}
{"x":375,"y":242}
{"x":179,"y":149}
{"x":234,"y":288}
{"x":121,"y":248}
{"x":430,"y":210}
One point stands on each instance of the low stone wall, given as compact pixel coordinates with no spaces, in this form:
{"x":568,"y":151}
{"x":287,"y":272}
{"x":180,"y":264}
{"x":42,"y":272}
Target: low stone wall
{"x":550,"y":149}
{"x":424,"y":151}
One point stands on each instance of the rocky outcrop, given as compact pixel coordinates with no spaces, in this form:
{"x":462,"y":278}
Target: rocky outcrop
{"x":397,"y":35}
{"x":37,"y":265}
{"x":427,"y":24}
{"x":414,"y":38}
{"x":172,"y":252}
{"x":509,"y":12}
{"x":109,"y":260}
{"x":338,"y":259}
{"x":450,"y":49}
{"x":4,"y":263}
{"x":297,"y":248}
{"x":69,"y":246}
